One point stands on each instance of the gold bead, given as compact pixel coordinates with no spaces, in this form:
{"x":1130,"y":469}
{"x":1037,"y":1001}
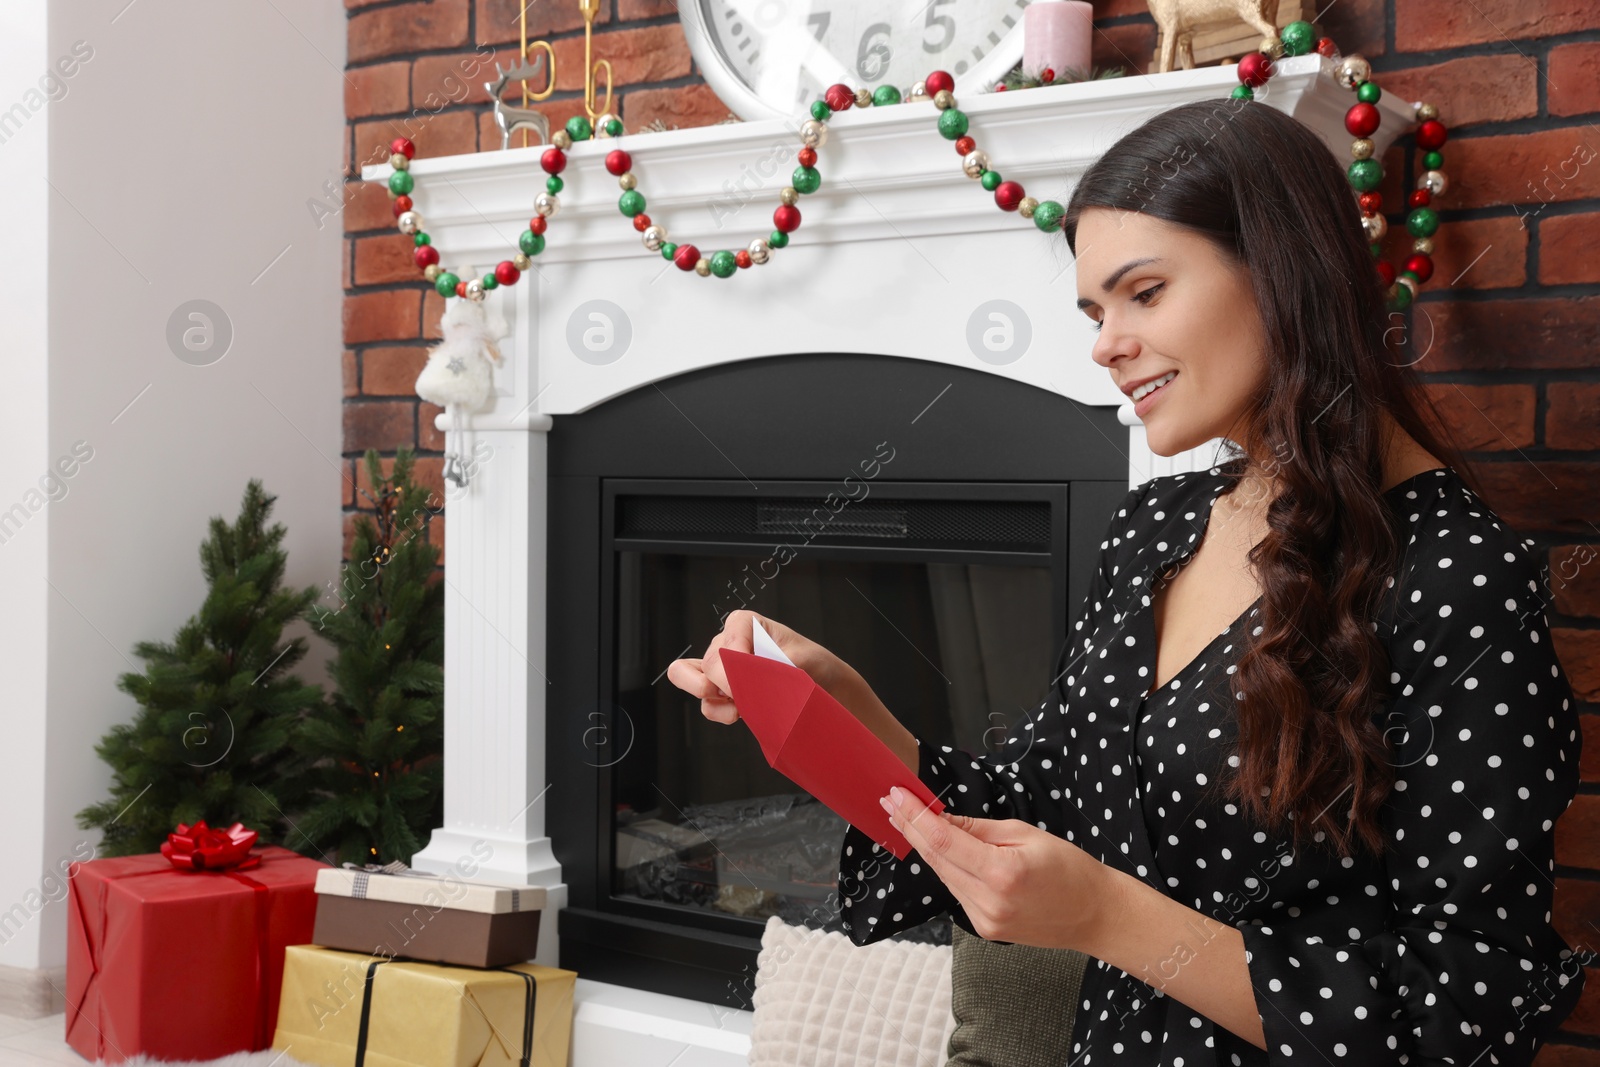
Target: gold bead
{"x":1422,"y":246}
{"x":431,"y":271}
{"x":1362,"y":148}
{"x":1426,"y":112}
{"x":399,"y":161}
{"x":521,"y":261}
{"x":863,"y":98}
{"x":702,"y":266}
{"x":1352,"y":70}
{"x":1026,"y":205}
{"x":789,"y":195}
{"x":944,"y":99}
{"x":1272,"y":46}
{"x":562,"y":140}
{"x":627,"y":180}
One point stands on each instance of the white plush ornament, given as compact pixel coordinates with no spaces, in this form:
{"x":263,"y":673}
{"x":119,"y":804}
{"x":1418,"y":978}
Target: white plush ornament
{"x":459,"y":373}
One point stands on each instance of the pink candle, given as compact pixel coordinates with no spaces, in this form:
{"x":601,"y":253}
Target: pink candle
{"x":1056,"y":34}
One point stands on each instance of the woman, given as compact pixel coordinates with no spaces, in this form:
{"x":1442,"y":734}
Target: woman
{"x":1295,"y":788}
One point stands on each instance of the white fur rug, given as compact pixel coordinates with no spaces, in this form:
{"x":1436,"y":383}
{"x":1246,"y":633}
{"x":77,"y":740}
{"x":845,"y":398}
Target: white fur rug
{"x":265,"y":1058}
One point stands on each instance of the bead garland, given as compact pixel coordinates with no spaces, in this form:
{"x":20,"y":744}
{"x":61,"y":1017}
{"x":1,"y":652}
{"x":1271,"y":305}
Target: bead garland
{"x":1364,"y":174}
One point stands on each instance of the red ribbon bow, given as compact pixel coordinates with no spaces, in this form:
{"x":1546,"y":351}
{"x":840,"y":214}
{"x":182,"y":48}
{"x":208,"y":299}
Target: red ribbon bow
{"x":201,"y":848}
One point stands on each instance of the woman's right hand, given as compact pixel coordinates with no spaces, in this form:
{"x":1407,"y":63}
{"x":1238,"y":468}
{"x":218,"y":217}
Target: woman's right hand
{"x":704,"y":677}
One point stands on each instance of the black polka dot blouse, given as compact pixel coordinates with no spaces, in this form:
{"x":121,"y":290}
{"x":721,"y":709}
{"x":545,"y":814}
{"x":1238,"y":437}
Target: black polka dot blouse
{"x":1442,"y":951}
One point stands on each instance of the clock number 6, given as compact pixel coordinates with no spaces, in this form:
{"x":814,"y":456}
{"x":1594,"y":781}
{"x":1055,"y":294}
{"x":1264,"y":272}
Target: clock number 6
{"x":872,"y":59}
{"x":944,"y":22}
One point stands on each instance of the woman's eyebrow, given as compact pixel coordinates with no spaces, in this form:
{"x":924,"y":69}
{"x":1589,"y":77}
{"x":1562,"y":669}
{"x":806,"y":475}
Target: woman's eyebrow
{"x":1116,"y":276}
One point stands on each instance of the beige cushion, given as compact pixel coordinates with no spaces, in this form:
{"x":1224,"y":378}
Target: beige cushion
{"x":821,"y":1001}
{"x":1014,"y":1004}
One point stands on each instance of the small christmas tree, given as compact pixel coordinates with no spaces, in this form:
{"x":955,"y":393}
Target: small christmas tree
{"x":217,"y":703}
{"x":371,"y":758}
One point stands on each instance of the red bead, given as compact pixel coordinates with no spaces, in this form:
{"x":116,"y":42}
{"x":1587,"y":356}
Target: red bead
{"x":1008,"y":195}
{"x":938,"y":80}
{"x":1431,"y":135}
{"x":1254,"y":69}
{"x":1421,"y":266}
{"x":786,"y":218}
{"x":425,"y":256}
{"x":1000,"y":88}
{"x":618,"y":162}
{"x":538,"y":224}
{"x":404,"y":147}
{"x":1326,"y":47}
{"x":1047,"y":75}
{"x":686,"y":257}
{"x":506,"y":272}
{"x":965,"y":145}
{"x":461,"y":288}
{"x":641,"y":222}
{"x":1362,"y":120}
{"x":806,"y":157}
{"x":839,"y":97}
{"x":554,"y":161}
{"x":1419,"y":198}
{"x":1370,"y":203}
{"x":402,"y":204}
{"x":742,"y":258}
{"x":1386,"y":272}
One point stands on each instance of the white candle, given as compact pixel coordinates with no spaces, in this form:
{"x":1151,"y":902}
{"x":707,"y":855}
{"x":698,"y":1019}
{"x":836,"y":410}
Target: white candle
{"x":1056,"y":34}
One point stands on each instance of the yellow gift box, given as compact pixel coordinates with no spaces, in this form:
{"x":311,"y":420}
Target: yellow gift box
{"x":352,"y":1009}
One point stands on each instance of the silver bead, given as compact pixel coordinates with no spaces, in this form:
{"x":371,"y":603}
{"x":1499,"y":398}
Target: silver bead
{"x":1425,"y":112}
{"x":760,"y":251}
{"x":521,"y":261}
{"x":813,"y":134}
{"x":546,"y":204}
{"x":863,"y":97}
{"x":1352,"y":70}
{"x":1434,"y":181}
{"x":410,"y":222}
{"x":562,"y":140}
{"x":627,"y":180}
{"x":1407,"y":281}
{"x":1374,"y":226}
{"x":1362,"y":148}
{"x":974,"y":163}
{"x":1026,"y":205}
{"x":1422,"y":246}
{"x":655,"y":237}
{"x":601,"y":123}
{"x":475,"y":291}
{"x":919,"y":91}
{"x":944,"y":99}
{"x":789,"y":195}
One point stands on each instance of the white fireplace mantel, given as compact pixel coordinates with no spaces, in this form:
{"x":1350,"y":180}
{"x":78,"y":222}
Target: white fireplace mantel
{"x":898,"y":254}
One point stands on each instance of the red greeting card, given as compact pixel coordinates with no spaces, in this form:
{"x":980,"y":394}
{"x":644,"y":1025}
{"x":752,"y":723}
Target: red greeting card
{"x":815,"y":742}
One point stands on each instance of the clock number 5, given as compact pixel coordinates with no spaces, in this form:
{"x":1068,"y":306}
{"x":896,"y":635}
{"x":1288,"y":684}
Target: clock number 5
{"x":872,"y":59}
{"x":944,"y":22}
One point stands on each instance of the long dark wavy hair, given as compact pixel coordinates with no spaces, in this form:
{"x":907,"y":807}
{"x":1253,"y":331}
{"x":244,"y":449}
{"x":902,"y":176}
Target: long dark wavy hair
{"x":1266,"y":191}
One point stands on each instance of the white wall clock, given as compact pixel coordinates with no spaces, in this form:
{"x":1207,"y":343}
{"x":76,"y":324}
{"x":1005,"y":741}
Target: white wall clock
{"x":771,"y":58}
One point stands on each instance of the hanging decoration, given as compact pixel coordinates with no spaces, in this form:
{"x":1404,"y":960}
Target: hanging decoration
{"x":1364,"y":174}
{"x":460,"y":370}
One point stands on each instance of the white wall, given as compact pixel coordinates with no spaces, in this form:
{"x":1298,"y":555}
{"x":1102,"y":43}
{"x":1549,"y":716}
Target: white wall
{"x":180,"y":161}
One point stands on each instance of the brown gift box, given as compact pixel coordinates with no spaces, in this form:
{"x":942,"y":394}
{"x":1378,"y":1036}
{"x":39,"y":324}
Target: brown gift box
{"x":416,"y":931}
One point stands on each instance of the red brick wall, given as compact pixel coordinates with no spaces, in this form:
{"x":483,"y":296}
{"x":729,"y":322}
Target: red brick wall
{"x":1514,"y":356}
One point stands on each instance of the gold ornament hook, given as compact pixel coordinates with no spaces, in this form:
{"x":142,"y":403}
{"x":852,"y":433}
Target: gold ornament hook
{"x":550,"y":84}
{"x":591,"y":66}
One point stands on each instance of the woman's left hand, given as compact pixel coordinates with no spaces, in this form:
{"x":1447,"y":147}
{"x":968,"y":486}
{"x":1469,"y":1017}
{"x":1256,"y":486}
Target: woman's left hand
{"x":1017,"y":882}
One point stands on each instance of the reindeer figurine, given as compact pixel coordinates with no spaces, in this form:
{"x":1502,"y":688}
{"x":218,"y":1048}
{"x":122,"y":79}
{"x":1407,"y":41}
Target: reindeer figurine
{"x":511,"y":118}
{"x":1178,"y":20}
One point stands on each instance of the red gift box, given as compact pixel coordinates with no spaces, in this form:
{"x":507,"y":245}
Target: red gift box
{"x":182,"y":964}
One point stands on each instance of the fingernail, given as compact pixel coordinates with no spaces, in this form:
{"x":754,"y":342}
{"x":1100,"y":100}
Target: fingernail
{"x":897,"y":795}
{"x":883,"y":802}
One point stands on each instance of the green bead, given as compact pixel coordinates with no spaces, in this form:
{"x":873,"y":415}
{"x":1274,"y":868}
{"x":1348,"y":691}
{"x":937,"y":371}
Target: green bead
{"x":554,"y":184}
{"x":991,"y":180}
{"x":490,"y":281}
{"x":1376,"y":248}
{"x":631,"y":203}
{"x":1422,"y":222}
{"x":421,"y":239}
{"x":952,"y":124}
{"x":1368,"y":92}
{"x":1433,"y":160}
{"x":1401,"y":299}
{"x":614,"y":127}
{"x":667,"y":248}
{"x":884,"y":95}
{"x":820,"y":110}
{"x":446,"y":284}
{"x":1243,"y":92}
{"x":1365,"y":175}
{"x":723,"y":264}
{"x":777,"y":239}
{"x":1298,"y":38}
{"x":806,"y":179}
{"x":1048,"y":215}
{"x":401,"y":182}
{"x":531,"y":243}
{"x":1413,"y":275}
{"x":578,"y":128}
